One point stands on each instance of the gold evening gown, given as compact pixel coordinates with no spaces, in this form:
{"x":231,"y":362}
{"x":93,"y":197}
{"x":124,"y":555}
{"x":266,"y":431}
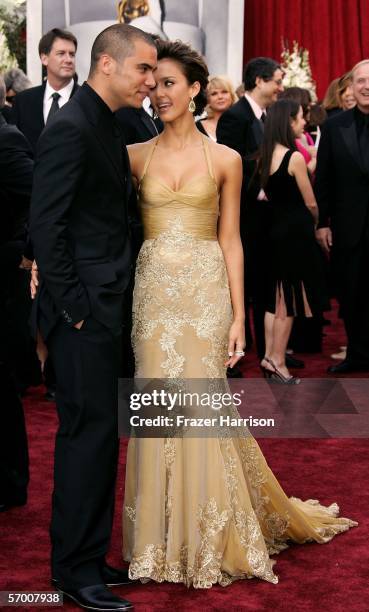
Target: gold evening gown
{"x":198,"y":511}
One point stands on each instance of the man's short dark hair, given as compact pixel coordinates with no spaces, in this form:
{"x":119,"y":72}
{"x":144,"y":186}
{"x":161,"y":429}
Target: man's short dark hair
{"x":47,"y":41}
{"x":118,"y":41}
{"x":262,"y":67}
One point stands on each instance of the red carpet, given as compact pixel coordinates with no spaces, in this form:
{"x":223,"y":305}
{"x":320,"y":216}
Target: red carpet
{"x":331,"y":577}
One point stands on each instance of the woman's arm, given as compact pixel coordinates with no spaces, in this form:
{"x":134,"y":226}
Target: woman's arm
{"x":297,"y":168}
{"x":230,"y":243}
{"x":138,"y":154}
{"x":134,"y":159}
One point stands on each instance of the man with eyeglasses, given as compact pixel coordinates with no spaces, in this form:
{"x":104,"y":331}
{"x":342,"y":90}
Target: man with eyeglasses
{"x":241,"y":128}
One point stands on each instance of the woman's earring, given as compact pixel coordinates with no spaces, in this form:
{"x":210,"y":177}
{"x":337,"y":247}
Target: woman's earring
{"x":192,"y":106}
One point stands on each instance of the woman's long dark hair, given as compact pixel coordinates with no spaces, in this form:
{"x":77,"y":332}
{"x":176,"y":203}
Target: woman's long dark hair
{"x":277,"y":130}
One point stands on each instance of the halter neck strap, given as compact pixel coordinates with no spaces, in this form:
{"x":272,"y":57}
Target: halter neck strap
{"x":149,"y":157}
{"x":207,"y":155}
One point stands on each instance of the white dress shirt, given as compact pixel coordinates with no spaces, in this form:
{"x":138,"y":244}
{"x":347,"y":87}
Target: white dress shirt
{"x":64,"y":94}
{"x":257,"y":110}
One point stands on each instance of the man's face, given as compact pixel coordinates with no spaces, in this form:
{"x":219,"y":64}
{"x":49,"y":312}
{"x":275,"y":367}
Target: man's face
{"x":360,"y":87}
{"x":271,"y":88}
{"x":133,"y":77}
{"x":61,"y":61}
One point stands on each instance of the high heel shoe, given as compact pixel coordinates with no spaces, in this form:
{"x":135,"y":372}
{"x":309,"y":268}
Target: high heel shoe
{"x":266,"y":373}
{"x":278,"y":377}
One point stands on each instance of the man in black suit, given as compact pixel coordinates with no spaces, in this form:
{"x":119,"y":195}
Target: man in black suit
{"x":342,"y":193}
{"x":16,"y":170}
{"x":137,"y":125}
{"x":80,"y":230}
{"x":241,"y":128}
{"x":33,"y":107}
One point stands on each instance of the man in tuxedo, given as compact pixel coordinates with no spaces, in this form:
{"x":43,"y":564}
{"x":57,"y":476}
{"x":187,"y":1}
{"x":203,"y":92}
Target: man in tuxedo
{"x":16,"y":170}
{"x":80,"y":230}
{"x":33,"y":107}
{"x":342,"y":193}
{"x":241,"y":128}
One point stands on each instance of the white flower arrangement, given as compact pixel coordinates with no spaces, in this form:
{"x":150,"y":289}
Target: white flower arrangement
{"x":12,"y":22}
{"x":296,"y":68}
{"x":6,"y":59}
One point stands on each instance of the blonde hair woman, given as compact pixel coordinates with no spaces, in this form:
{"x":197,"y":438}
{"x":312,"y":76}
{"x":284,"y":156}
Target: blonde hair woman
{"x":221,"y":95}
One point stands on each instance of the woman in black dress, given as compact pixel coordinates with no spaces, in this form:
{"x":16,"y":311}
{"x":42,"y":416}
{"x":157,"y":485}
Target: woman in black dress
{"x":296,"y":279}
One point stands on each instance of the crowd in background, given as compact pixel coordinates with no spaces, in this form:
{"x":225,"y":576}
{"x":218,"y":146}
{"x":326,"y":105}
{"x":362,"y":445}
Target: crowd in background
{"x":288,"y":279}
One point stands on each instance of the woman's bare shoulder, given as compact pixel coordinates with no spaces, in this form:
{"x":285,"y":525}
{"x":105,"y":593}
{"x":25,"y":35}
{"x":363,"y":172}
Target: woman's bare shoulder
{"x":224,"y":157}
{"x":140,"y":149}
{"x":222,"y":152}
{"x":297,"y":160}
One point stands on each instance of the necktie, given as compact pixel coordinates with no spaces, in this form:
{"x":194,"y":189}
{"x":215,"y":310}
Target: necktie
{"x":54,"y":106}
{"x":263,"y":117}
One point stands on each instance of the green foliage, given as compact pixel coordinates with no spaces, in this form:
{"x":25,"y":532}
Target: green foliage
{"x":13,"y":29}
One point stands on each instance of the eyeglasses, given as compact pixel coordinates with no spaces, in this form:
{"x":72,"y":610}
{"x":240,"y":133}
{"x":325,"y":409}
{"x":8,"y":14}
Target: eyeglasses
{"x":278,"y":82}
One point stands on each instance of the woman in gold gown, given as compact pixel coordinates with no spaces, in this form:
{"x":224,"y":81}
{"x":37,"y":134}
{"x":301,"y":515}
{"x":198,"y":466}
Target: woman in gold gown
{"x":198,"y":511}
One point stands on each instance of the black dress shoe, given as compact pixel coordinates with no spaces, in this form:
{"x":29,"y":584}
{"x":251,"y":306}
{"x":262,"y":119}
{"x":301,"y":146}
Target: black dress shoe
{"x":96,"y":597}
{"x":112,"y":577}
{"x":234,"y":372}
{"x":346,"y":366}
{"x":292,"y":362}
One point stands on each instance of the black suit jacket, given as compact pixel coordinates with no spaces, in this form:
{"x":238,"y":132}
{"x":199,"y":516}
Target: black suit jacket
{"x":6,"y":112}
{"x":137,"y":125}
{"x":240,"y":129}
{"x":16,"y":171}
{"x":342,"y":181}
{"x":79,"y":215}
{"x":28,"y":112}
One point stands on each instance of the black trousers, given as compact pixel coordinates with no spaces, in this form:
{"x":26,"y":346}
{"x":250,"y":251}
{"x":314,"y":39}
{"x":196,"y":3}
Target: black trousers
{"x":14,"y":472}
{"x":87,"y":366}
{"x":14,"y":463}
{"x":351,"y":270}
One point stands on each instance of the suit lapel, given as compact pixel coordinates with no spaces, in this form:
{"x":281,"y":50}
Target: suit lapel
{"x":75,"y":88}
{"x":39,"y":105}
{"x":149,"y":123}
{"x":257,"y":130}
{"x":349,"y":135}
{"x":256,"y":125}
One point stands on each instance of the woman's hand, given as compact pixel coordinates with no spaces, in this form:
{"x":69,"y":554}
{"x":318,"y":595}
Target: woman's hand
{"x":34,"y":280}
{"x":236,"y":343}
{"x":25,"y":264}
